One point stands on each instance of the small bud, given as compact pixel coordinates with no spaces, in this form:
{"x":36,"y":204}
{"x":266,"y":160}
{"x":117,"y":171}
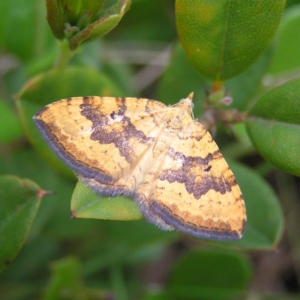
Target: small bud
{"x":83,"y":20}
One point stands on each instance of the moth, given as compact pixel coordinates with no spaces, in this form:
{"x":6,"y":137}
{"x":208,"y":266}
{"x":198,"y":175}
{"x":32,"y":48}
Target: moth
{"x":158,"y":155}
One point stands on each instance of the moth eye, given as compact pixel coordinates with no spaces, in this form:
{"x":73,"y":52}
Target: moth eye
{"x":113,"y":115}
{"x":207,"y":169}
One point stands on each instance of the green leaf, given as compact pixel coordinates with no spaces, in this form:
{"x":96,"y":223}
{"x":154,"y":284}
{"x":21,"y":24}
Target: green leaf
{"x":52,"y":86}
{"x":9,"y":121}
{"x":19,"y":203}
{"x":223,"y":38}
{"x":264,"y":216}
{"x":286,"y":54}
{"x":209,"y":274}
{"x":273,"y":126}
{"x":87,"y":204}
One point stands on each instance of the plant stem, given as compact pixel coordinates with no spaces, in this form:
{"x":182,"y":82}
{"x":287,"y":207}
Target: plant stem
{"x":64,"y":55}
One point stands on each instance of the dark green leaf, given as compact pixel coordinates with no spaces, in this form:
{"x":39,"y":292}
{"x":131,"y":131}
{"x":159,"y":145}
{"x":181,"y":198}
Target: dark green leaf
{"x":19,"y":203}
{"x":274,"y":126}
{"x":223,"y":38}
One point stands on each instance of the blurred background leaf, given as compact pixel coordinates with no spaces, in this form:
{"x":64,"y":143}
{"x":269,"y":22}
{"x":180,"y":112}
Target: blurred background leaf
{"x":205,"y":275}
{"x":9,"y":120}
{"x":23,"y":31}
{"x":286,"y":55}
{"x":264,"y":225}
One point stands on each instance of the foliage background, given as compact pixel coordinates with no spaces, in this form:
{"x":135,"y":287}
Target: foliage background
{"x":98,"y":259}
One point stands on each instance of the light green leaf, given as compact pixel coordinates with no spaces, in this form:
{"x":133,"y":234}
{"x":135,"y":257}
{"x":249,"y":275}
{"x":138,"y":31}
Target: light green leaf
{"x":87,"y":204}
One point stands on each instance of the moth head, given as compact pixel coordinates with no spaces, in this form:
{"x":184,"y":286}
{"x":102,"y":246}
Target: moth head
{"x":187,"y":103}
